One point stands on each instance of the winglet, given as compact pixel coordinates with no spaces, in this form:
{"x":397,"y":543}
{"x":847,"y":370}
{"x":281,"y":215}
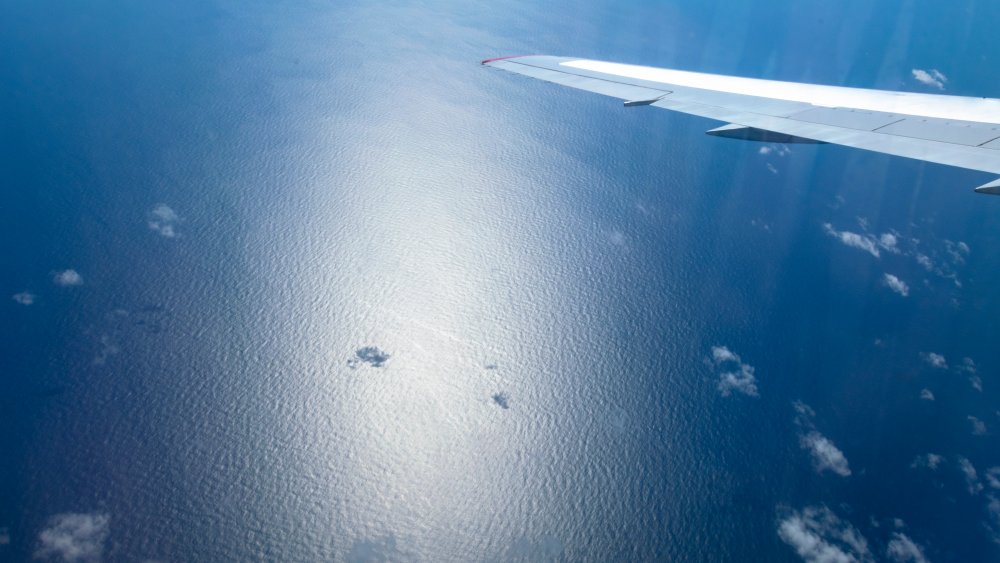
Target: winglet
{"x":993,"y":188}
{"x":495,"y":59}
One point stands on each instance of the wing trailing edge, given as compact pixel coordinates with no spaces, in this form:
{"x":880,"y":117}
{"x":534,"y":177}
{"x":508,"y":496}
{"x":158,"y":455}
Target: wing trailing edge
{"x":951,"y":130}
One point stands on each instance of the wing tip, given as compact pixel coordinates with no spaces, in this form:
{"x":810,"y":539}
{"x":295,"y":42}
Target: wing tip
{"x":495,"y":59}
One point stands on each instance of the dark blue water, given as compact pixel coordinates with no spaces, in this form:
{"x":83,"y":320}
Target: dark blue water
{"x":341,"y":293}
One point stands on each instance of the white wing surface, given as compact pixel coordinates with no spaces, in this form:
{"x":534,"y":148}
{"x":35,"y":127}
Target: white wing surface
{"x":952,"y":130}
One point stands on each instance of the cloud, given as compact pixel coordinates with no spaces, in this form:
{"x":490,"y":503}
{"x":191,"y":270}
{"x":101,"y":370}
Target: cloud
{"x":826,"y":455}
{"x":771,"y":168}
{"x":765,"y":150}
{"x":854,"y":240}
{"x":994,"y":509}
{"x":971,"y":478}
{"x":926,"y":395}
{"x":890,"y":242}
{"x":924,"y":261}
{"x":738,"y":377}
{"x":978,"y":426}
{"x":74,"y":537}
{"x":932,"y":77}
{"x":818,"y":536}
{"x":927,"y":461}
{"x":967,"y":365}
{"x":896,"y":284}
{"x":163,"y":220}
{"x":993,"y":477}
{"x":67,"y":278}
{"x":502,"y":400}
{"x":976,"y":382}
{"x":903,"y":549}
{"x":935,"y":360}
{"x":370,"y":355}
{"x":957,"y":250}
{"x":24,"y":298}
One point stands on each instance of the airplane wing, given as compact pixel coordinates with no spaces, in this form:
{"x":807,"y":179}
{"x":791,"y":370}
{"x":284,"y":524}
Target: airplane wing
{"x":953,"y":130}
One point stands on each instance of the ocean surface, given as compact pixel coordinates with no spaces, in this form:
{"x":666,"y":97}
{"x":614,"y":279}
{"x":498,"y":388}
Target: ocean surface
{"x":302,"y":281}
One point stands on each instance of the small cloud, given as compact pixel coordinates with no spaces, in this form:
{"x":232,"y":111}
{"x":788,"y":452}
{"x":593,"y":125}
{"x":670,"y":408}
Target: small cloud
{"x":924,"y":261}
{"x":370,"y":355}
{"x":993,"y":477}
{"x":903,"y":550}
{"x":163,"y":220}
{"x":740,"y":378}
{"x":978,"y":426}
{"x":74,"y":537}
{"x":772,"y":168}
{"x":617,"y":238}
{"x":932,"y":77}
{"x":826,"y":455}
{"x":889,"y":242}
{"x":765,"y":150}
{"x":722,"y":354}
{"x":854,"y":240}
{"x":967,"y":365}
{"x":818,"y":536}
{"x":935,"y":360}
{"x":971,"y":478}
{"x":896,"y":284}
{"x":927,"y":461}
{"x":956,"y":250}
{"x":926,"y":395}
{"x":976,"y":382}
{"x":502,"y":400}
{"x":67,"y":278}
{"x":24,"y":298}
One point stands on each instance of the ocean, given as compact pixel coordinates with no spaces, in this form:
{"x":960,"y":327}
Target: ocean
{"x":302,"y":281}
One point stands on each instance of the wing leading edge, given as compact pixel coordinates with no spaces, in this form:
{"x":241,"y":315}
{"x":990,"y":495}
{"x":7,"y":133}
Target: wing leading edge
{"x":952,"y":130}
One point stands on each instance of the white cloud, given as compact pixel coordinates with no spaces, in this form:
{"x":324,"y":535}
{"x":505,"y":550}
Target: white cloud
{"x":896,"y":284}
{"x":993,"y":477}
{"x":971,"y":478}
{"x":163,"y":220}
{"x":932,"y":77}
{"x":978,"y":426}
{"x":935,"y":360}
{"x":928,"y":461}
{"x":924,"y":261}
{"x":976,"y":382}
{"x":854,"y":240}
{"x":967,"y":365}
{"x":902,"y":549}
{"x":722,"y":354}
{"x":765,"y":150}
{"x":889,"y":242}
{"x":67,"y":278}
{"x":825,"y":455}
{"x":818,"y":536}
{"x":740,"y":379}
{"x":74,"y":537}
{"x":772,"y":168}
{"x":24,"y":298}
{"x":926,"y":395}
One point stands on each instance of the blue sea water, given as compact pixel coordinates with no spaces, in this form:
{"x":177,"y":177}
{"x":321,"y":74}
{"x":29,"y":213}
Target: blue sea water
{"x":341,"y":293}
